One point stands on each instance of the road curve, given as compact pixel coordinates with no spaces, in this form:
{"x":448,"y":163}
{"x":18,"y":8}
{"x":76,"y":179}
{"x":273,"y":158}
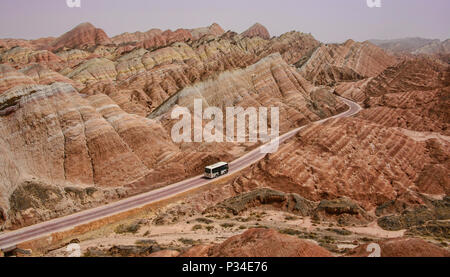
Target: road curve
{"x":11,"y":239}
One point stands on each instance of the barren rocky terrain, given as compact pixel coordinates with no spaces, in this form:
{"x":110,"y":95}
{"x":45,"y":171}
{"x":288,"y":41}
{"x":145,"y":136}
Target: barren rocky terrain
{"x":85,"y":120}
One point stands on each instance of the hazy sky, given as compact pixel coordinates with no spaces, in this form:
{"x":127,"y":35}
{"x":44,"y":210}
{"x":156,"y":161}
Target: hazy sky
{"x":327,"y":20}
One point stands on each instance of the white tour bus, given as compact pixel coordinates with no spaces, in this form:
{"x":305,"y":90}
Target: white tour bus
{"x":216,"y":170}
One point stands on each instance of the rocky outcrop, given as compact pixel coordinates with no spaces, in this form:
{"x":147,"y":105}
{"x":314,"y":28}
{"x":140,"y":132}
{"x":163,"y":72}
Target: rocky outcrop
{"x":431,"y":214}
{"x":267,"y":197}
{"x":342,"y":210}
{"x":257,"y":30}
{"x":259,"y":243}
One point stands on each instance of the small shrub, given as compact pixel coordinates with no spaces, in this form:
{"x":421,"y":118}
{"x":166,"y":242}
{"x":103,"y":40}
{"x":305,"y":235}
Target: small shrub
{"x":197,"y":227}
{"x":227,"y":225}
{"x":204,"y":220}
{"x":123,"y":228}
{"x":291,"y":232}
{"x":187,"y":241}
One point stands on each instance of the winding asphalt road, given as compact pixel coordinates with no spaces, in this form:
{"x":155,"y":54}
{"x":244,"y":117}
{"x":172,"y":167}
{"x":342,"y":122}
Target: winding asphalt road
{"x":10,"y":239}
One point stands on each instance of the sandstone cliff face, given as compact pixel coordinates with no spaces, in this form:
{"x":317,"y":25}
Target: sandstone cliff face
{"x":352,"y":60}
{"x":259,"y":243}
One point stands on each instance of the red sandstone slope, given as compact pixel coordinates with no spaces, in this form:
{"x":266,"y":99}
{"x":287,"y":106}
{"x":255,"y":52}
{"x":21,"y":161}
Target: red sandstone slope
{"x":257,"y":30}
{"x":259,"y":243}
{"x":332,"y":63}
{"x":158,"y":38}
{"x":10,"y":78}
{"x":351,"y":157}
{"x":413,"y":94}
{"x":82,"y":36}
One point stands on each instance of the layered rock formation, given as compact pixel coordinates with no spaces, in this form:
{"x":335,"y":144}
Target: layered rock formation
{"x":44,"y":76}
{"x":82,"y":36}
{"x":270,"y":82}
{"x":73,"y":140}
{"x":352,"y":60}
{"x":366,"y":162}
{"x":257,"y":30}
{"x":412,"y":95}
{"x":415,"y":45}
{"x":9,"y":78}
{"x":23,"y":56}
{"x":158,"y":38}
{"x":86,"y":146}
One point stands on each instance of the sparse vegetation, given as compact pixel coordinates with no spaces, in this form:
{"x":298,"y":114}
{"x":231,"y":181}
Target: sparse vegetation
{"x":187,"y":241}
{"x":291,"y":232}
{"x":342,"y":232}
{"x":127,"y":228}
{"x":204,"y":220}
{"x":290,"y":217}
{"x":197,"y":227}
{"x":227,"y":225}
